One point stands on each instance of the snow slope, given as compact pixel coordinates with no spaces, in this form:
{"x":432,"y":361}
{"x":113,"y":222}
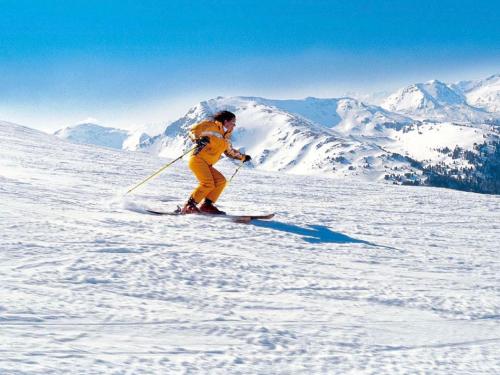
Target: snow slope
{"x":349,"y":277}
{"x":425,"y":141}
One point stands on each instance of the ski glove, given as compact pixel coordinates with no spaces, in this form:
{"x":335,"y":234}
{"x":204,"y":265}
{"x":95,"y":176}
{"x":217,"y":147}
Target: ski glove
{"x":202,"y":142}
{"x":247,"y":158}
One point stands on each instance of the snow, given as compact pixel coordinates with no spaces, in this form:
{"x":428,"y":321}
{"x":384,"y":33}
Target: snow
{"x":94,"y":134}
{"x":279,"y":140}
{"x":349,"y":277}
{"x":483,"y":93}
{"x":134,"y":140}
{"x":337,"y":138}
{"x":424,"y":141}
{"x":344,"y":115}
{"x":345,"y":137}
{"x":435,"y":100}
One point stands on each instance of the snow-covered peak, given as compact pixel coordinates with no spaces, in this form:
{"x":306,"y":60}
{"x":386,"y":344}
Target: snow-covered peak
{"x":279,"y":137}
{"x":421,"y":96}
{"x":470,"y":85}
{"x":89,"y":133}
{"x":345,"y":115}
{"x":441,"y":93}
{"x":260,"y":128}
{"x":320,"y":111}
{"x":484,"y":93}
{"x":434,"y":100}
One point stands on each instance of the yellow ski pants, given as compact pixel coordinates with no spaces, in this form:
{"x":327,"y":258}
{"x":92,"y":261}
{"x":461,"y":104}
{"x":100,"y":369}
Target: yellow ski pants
{"x":211,"y":181}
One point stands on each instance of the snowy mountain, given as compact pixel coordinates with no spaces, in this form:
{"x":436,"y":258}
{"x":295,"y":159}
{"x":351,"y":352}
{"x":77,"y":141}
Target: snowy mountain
{"x":437,"y":101}
{"x":93,"y":134}
{"x":426,"y":134}
{"x":483,"y":94}
{"x":88,"y":133}
{"x":345,"y":115}
{"x":134,"y":140}
{"x":279,"y":140}
{"x":360,"y":141}
{"x":349,"y":278}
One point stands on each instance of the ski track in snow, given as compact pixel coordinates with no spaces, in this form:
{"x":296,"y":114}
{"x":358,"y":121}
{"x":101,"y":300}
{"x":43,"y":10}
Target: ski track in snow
{"x":349,"y":277}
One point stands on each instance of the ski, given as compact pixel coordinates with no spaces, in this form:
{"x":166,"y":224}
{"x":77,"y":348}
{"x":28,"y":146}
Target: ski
{"x":236,"y":218}
{"x":171,"y":213}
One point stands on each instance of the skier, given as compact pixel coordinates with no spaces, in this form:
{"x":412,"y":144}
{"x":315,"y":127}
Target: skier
{"x":212,"y":139}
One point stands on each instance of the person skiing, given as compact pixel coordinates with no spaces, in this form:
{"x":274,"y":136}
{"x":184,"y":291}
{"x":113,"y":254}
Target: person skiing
{"x":212,"y":138}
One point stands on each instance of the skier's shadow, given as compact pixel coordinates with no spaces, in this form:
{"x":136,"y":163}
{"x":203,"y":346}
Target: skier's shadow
{"x":311,"y":234}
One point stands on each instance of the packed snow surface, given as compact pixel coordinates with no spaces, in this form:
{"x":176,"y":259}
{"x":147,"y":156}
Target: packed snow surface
{"x":349,"y":277}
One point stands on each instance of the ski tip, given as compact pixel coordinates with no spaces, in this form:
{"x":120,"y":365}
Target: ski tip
{"x":248,"y":218}
{"x":267,"y":217}
{"x":152,"y":212}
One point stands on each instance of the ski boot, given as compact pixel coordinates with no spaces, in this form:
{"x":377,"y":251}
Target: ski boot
{"x":190,"y":207}
{"x":208,"y":208}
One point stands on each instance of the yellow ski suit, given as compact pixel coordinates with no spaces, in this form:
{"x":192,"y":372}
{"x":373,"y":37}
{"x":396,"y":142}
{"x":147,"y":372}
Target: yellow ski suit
{"x":211,"y":181}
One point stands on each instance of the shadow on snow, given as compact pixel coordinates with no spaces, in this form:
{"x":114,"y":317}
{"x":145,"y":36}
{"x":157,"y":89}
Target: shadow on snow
{"x":312,"y":233}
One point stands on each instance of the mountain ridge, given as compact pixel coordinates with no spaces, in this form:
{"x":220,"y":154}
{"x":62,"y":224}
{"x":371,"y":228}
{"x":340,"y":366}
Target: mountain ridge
{"x":343,"y":136}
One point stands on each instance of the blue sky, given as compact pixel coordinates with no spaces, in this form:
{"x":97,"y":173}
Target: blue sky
{"x":127,"y":63}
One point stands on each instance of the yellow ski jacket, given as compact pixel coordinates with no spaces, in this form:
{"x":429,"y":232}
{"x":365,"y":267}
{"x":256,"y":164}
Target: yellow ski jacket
{"x":219,"y":142}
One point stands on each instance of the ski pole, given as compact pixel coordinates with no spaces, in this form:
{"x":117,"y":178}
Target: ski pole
{"x":160,"y":170}
{"x":236,"y":171}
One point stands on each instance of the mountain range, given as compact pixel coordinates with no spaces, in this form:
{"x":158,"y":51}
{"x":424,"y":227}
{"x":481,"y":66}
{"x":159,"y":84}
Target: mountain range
{"x":431,"y":133}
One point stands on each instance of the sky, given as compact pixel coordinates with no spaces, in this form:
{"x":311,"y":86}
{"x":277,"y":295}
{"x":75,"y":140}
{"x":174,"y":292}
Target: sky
{"x":130,"y":63}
